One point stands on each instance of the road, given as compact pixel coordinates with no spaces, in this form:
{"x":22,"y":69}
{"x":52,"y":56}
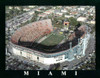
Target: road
{"x":21,"y":15}
{"x":15,"y":21}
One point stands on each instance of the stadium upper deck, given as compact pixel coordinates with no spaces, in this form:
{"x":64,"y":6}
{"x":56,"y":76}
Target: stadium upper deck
{"x":31,"y":32}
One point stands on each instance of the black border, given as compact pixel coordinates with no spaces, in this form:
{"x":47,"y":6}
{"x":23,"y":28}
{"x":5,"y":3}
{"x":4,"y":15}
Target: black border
{"x":18,"y":74}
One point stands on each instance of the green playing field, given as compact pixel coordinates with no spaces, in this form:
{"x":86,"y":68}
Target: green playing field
{"x":52,"y":39}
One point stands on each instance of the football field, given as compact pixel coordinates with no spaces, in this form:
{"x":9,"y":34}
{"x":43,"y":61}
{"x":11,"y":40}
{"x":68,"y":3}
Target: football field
{"x":52,"y":39}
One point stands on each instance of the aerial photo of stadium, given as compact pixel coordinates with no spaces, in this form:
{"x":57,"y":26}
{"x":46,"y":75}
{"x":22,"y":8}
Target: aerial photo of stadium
{"x":45,"y":45}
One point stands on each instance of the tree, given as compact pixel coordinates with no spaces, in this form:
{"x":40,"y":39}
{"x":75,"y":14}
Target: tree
{"x":67,"y":13}
{"x":73,"y":21}
{"x":34,"y":18}
{"x":90,"y":18}
{"x":21,"y":9}
{"x":78,"y":25}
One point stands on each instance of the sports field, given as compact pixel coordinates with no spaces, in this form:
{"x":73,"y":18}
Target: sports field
{"x":52,"y":39}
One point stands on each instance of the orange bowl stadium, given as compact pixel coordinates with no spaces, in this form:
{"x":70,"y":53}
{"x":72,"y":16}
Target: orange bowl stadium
{"x":39,"y":41}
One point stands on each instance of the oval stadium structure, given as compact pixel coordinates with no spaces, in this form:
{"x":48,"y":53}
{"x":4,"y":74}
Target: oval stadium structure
{"x":38,"y":41}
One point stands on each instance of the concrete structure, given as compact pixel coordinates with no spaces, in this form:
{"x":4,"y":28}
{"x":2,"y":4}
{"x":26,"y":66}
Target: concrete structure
{"x":82,"y":19}
{"x":64,"y":11}
{"x":32,"y":31}
{"x":69,"y":54}
{"x":91,"y":22}
{"x":68,"y":16}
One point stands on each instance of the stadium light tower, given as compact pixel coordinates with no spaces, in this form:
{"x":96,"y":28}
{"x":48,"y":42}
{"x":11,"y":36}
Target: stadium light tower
{"x":78,"y":40}
{"x":70,"y":45}
{"x":87,"y":30}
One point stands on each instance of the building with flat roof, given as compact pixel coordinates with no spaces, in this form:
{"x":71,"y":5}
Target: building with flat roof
{"x":82,"y":19}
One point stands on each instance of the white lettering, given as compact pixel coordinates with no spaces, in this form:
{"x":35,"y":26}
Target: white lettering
{"x":75,"y":73}
{"x":26,"y":73}
{"x":38,"y":73}
{"x":50,"y":73}
{"x":63,"y":73}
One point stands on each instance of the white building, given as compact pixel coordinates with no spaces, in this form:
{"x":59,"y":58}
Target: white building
{"x":64,"y":11}
{"x":31,"y":13}
{"x":10,"y":7}
{"x":31,"y":6}
{"x":52,"y":58}
{"x":59,"y":14}
{"x":82,"y":19}
{"x":68,"y":16}
{"x":82,"y":9}
{"x":26,"y":9}
{"x":91,"y":22}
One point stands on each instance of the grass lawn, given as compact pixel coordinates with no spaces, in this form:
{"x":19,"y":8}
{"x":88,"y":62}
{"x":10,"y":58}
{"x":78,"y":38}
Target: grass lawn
{"x":52,"y":39}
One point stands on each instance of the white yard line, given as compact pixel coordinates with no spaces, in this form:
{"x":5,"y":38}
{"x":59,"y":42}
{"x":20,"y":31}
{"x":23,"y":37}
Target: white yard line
{"x":62,"y":41}
{"x":42,"y":39}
